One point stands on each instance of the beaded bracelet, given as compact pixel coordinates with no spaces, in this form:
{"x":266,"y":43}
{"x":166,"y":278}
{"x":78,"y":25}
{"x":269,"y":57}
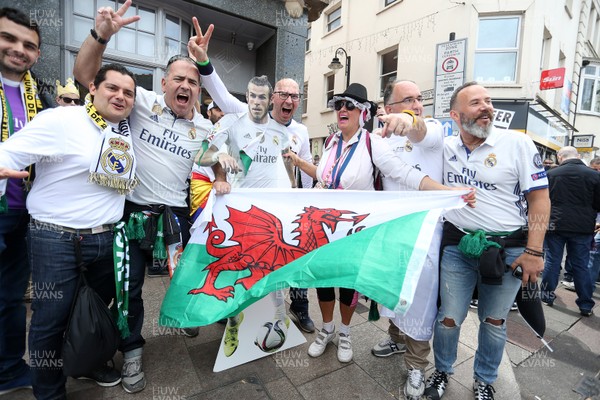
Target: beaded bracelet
{"x":533,"y":252}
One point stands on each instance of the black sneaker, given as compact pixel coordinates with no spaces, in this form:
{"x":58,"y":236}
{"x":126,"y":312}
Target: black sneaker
{"x":303,"y":321}
{"x":483,"y":391}
{"x":436,"y":385}
{"x":190,"y":332}
{"x":158,"y":269}
{"x":105,"y":376}
{"x":586,"y":313}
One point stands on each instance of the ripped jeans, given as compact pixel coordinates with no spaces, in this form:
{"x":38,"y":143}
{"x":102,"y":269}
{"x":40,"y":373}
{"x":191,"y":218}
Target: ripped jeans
{"x":458,"y":277}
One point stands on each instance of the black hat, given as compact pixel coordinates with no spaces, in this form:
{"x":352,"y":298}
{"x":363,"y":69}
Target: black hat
{"x":358,"y":92}
{"x":355,"y":91}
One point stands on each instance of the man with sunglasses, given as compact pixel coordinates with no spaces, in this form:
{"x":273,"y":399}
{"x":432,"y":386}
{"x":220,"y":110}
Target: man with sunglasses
{"x":284,"y":101}
{"x":67,"y":95}
{"x":417,"y":141}
{"x":167,"y":133}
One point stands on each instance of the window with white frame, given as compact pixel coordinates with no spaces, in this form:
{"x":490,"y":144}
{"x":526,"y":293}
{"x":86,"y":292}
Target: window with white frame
{"x":389,"y":69}
{"x":388,"y":2}
{"x":497,"y":52}
{"x":305,"y":98}
{"x":307,"y":42}
{"x":137,"y":38}
{"x":589,"y":96}
{"x":334,"y":19}
{"x":569,"y":7}
{"x":177,"y":34}
{"x":146,"y":44}
{"x":329,"y":87}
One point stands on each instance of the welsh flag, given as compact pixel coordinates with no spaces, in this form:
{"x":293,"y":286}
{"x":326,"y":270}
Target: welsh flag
{"x":251,"y":242}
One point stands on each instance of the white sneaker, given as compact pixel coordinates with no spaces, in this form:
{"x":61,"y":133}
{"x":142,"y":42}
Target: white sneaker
{"x":415,"y":384}
{"x":569,"y":285}
{"x":318,"y":346}
{"x":344,"y":349}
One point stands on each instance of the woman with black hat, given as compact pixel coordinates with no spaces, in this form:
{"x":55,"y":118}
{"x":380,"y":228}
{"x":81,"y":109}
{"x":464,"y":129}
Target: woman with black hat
{"x":348,"y":160}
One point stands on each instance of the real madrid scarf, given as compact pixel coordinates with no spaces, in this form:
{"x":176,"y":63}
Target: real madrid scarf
{"x":121,"y":263}
{"x":32,"y":106}
{"x":115,"y":165}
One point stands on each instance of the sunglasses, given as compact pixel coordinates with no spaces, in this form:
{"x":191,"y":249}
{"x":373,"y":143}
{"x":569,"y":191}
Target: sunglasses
{"x":341,"y":103}
{"x":69,"y":100}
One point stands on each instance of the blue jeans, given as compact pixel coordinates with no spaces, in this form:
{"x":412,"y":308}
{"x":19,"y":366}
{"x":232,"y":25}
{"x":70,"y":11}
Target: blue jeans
{"x":594,"y":263}
{"x":458,"y":277}
{"x":578,"y":251}
{"x":299,"y":298}
{"x":568,"y":275}
{"x":14,"y":277}
{"x":55,"y":276}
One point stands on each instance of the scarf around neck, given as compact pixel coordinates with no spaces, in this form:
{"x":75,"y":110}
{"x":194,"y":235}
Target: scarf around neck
{"x":115,"y":165}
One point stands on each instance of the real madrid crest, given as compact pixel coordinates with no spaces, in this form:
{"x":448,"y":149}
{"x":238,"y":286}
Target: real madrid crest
{"x":157,"y":109}
{"x":116,"y":159}
{"x":408,"y":146}
{"x":192,"y":133}
{"x":275,"y":140}
{"x":490,"y":161}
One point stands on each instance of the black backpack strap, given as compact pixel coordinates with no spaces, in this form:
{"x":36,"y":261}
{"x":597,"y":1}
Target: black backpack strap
{"x":377,"y":179}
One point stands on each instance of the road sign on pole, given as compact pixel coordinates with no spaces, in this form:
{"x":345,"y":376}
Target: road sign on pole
{"x":449,"y":74}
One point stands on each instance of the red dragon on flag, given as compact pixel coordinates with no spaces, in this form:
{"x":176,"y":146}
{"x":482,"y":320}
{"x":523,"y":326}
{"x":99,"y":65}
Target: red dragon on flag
{"x":261,"y":247}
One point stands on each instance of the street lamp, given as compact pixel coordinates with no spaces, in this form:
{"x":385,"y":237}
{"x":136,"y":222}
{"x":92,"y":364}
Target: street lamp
{"x":336,"y":64}
{"x":584,"y":63}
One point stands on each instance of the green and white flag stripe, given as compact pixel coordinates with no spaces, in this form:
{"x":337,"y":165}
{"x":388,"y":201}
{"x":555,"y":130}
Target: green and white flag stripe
{"x":256,"y":241}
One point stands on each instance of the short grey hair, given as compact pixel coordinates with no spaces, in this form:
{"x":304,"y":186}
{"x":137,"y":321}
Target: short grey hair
{"x":568,"y":152}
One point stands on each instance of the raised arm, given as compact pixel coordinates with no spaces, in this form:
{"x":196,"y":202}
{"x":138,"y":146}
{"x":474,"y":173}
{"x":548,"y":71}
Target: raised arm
{"x":89,"y":58}
{"x":198,"y":50}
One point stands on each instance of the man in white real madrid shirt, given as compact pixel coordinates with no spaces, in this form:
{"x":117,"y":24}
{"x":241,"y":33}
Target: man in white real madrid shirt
{"x":167,"y":133}
{"x":69,"y":211}
{"x":255,"y":145}
{"x":260,"y":137}
{"x":284,"y":101}
{"x":482,"y":246}
{"x":418,"y":142}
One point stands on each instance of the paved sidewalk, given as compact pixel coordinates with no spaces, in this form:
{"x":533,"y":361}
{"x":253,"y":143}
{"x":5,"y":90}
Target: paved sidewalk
{"x":179,"y":368}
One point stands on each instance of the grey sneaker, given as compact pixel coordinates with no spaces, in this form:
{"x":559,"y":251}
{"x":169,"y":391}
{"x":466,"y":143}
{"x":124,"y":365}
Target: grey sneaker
{"x":415,"y":384}
{"x":133,"y":377}
{"x":387,"y":348}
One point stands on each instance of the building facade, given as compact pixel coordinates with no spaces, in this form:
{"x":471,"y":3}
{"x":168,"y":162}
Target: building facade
{"x":529,"y":54}
{"x":250,"y":38}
